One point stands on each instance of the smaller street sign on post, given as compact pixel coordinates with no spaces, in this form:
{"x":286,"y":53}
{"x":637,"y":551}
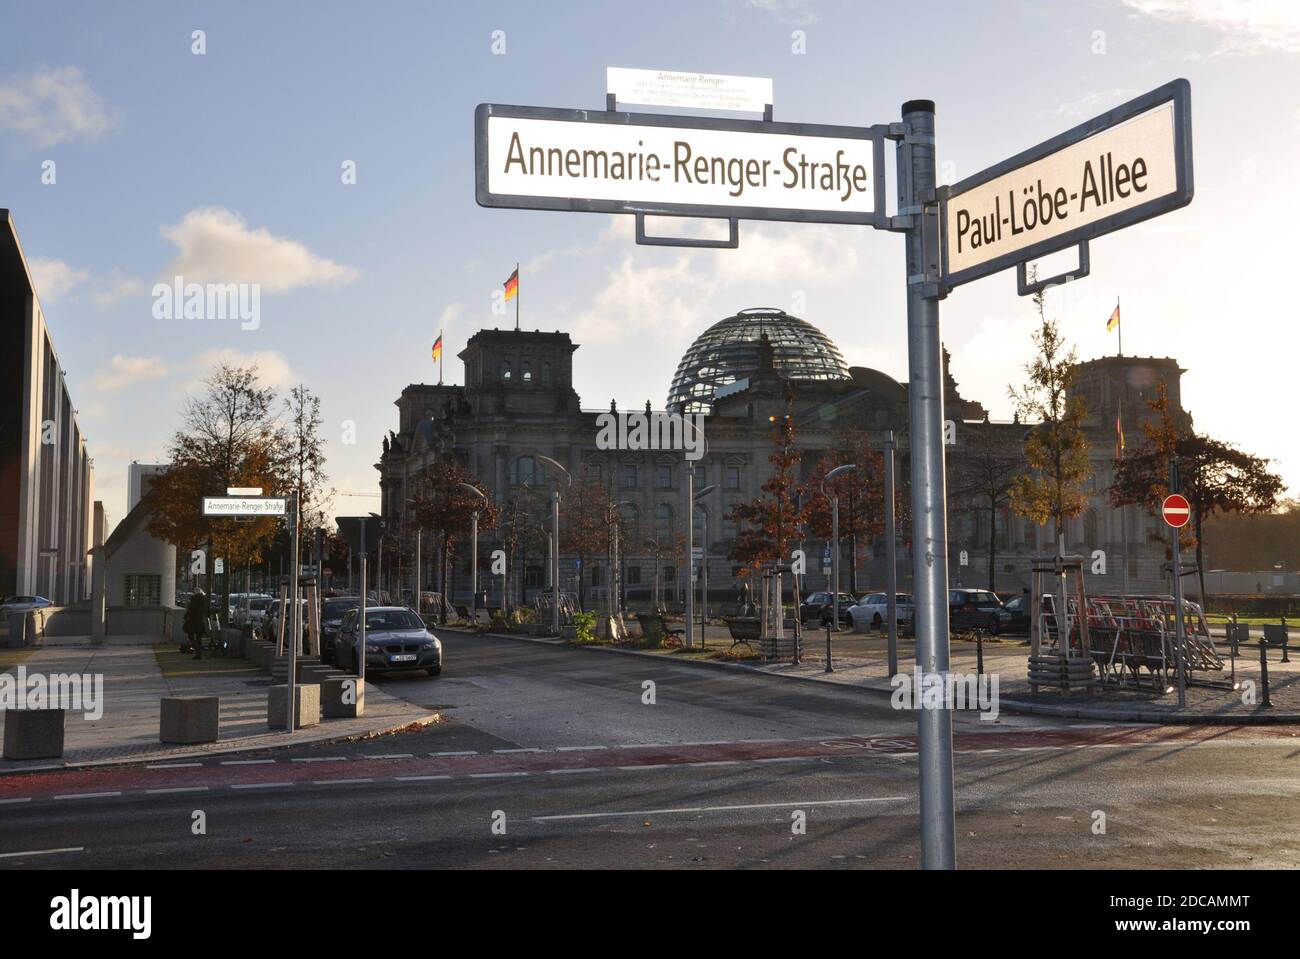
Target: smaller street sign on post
{"x":1175,"y":510}
{"x":699,"y":91}
{"x":243,"y":506}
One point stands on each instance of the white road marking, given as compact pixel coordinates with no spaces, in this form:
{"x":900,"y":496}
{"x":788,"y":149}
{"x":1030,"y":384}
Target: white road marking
{"x":418,"y":779}
{"x":463,"y":752}
{"x":176,"y":789}
{"x":529,"y":749}
{"x":320,"y":759}
{"x":246,"y":762}
{"x":724,"y":762}
{"x":651,"y":766}
{"x":699,"y":809}
{"x":584,"y":769}
{"x":577,"y":749}
{"x":41,"y":852}
{"x":89,"y":795}
{"x":338,"y":782}
{"x":494,"y":775}
{"x":259,"y":785}
{"x":173,"y":765}
{"x":9,"y":802}
{"x":390,"y":756}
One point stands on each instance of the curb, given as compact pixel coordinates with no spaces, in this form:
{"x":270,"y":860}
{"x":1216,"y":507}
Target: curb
{"x":135,"y":760}
{"x":1016,"y":707}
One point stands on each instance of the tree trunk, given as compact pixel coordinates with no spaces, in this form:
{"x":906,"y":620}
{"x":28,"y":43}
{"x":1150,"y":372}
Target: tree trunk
{"x":993,"y":547}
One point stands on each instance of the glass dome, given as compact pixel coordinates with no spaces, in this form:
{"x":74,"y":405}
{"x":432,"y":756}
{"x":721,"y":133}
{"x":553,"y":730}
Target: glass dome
{"x":728,"y":351}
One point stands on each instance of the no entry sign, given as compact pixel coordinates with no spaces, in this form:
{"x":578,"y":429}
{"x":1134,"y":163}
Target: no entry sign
{"x":1176,"y":510}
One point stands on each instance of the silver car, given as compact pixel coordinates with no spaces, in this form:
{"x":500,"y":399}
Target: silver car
{"x":872,"y":611}
{"x":23,"y":604}
{"x":396,"y":639}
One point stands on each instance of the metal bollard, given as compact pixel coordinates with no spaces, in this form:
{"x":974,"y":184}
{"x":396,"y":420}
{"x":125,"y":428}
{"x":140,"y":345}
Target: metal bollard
{"x":1263,"y":672}
{"x":1285,"y":658}
{"x":979,"y":654}
{"x":1232,"y":633}
{"x":829,"y":667}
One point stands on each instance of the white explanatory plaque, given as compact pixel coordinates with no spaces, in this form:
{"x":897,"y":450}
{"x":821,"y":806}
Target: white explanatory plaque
{"x":700,"y":91}
{"x":243,"y":506}
{"x":608,"y":162}
{"x":1118,"y":169}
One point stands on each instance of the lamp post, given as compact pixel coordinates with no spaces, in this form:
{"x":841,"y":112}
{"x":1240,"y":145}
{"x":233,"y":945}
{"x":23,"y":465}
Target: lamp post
{"x":704,"y":563}
{"x":555,"y":536}
{"x":835,"y":547}
{"x":473,"y":548}
{"x":690,"y":528}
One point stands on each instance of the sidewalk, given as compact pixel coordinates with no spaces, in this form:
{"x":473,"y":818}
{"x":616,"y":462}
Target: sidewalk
{"x":134,"y":683}
{"x":860,"y":660}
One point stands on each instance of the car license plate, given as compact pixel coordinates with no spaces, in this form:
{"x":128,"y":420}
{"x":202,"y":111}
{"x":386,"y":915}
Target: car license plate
{"x":403,"y":658}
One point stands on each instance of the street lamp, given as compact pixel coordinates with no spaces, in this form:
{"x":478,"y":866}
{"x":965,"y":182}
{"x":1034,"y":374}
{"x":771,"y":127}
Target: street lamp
{"x":615,"y":572}
{"x":555,"y":536}
{"x":473,"y":548}
{"x":704,"y":564}
{"x":835,"y":548}
{"x":690,"y":527}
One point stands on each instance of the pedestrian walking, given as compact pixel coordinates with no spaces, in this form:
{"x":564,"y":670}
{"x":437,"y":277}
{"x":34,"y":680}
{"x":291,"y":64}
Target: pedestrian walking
{"x":196,"y":621}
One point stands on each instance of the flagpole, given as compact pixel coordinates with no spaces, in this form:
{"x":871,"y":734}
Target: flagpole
{"x":1119,"y":326}
{"x":517,"y":297}
{"x":441,"y":352}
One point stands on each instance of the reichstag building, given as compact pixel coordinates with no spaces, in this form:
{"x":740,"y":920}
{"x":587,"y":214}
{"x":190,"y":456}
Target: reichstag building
{"x":518,"y":401}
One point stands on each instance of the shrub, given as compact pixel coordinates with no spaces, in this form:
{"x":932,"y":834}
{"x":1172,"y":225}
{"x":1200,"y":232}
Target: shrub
{"x":585,"y":627}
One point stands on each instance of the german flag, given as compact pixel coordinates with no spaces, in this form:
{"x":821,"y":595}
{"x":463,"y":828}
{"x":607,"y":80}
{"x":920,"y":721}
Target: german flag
{"x":1119,"y":437}
{"x":1114,"y":319}
{"x":512,"y":285}
{"x":437,"y":348}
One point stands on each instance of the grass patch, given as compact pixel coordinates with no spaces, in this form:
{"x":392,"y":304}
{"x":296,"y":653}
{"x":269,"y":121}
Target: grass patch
{"x":733,"y":655}
{"x":175,"y":664}
{"x":1218,"y":619}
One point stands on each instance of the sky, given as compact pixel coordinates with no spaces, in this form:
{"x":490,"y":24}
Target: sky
{"x":228,"y":165}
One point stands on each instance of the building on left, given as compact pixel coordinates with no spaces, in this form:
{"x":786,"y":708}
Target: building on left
{"x":46,"y":475}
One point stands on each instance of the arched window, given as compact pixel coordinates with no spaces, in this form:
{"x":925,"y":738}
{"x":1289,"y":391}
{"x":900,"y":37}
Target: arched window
{"x":525,"y":471}
{"x":528,"y":372}
{"x":546,"y":373}
{"x":505,"y":370}
{"x":663,"y":519}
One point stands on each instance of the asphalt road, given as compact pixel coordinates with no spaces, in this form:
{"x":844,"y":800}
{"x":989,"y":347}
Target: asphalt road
{"x":549,"y":758}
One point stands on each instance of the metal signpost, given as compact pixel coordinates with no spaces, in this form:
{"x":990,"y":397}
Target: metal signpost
{"x":1176,"y":511}
{"x":1124,"y":166}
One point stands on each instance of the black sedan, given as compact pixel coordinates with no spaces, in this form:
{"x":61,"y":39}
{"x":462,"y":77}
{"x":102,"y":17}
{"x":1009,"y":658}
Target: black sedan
{"x":974,"y":610}
{"x":817,"y":608}
{"x":332,"y":612}
{"x":396,"y":639}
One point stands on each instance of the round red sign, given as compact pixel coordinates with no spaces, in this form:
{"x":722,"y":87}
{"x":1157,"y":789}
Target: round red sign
{"x":1176,"y":510}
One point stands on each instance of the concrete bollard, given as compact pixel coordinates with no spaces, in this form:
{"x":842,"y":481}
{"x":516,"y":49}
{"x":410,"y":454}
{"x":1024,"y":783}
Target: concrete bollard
{"x":188,"y":719}
{"x":342,"y":697}
{"x":306,"y":703}
{"x":33,"y":734}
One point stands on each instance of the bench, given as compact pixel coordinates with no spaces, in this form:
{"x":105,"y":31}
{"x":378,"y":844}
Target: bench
{"x":743,"y":629}
{"x":655,"y":630}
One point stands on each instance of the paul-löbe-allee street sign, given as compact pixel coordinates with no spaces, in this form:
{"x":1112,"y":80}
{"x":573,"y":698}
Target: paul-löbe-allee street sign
{"x":1122,"y":167}
{"x":243,"y":506}
{"x":611,"y":162}
{"x":1130,"y":164}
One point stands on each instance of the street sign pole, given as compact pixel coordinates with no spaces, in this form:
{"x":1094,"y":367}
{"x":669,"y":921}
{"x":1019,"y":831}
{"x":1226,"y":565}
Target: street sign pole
{"x":891,"y":555}
{"x":916,"y":172}
{"x":295,"y":624}
{"x":1180,"y":634}
{"x":690,"y":555}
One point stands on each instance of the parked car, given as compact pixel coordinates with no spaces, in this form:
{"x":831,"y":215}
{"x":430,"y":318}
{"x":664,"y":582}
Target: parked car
{"x":250,"y":609}
{"x":271,"y":619}
{"x":974,"y":610}
{"x":872,"y":611}
{"x":817,"y":608}
{"x":396,"y":639}
{"x":331,"y":618}
{"x":1015,"y":614}
{"x":21,"y":604}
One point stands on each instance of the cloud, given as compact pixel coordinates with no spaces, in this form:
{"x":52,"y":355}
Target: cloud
{"x":54,"y":278}
{"x":52,"y":107}
{"x":216,"y":245}
{"x":272,"y":368}
{"x":793,"y":12}
{"x":122,"y":371}
{"x":1248,"y":26}
{"x":118,"y":287}
{"x":1094,"y":103}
